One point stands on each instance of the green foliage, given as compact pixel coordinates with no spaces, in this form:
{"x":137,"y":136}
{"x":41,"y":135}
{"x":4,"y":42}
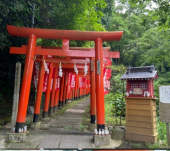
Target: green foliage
{"x":161,"y":127}
{"x":161,"y":12}
{"x":153,"y":146}
{"x":115,"y":102}
{"x":110,"y":117}
{"x":136,"y":145}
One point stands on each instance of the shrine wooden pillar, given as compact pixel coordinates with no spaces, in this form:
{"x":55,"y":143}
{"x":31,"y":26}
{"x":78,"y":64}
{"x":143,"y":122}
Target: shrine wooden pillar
{"x":65,"y":89}
{"x":67,"y":94}
{"x":39,"y":90}
{"x":77,"y":91}
{"x":70,"y":96}
{"x":92,"y":92}
{"x":76,"y":87}
{"x":99,"y":84}
{"x":85,"y":84}
{"x":74,"y":93}
{"x":80,"y":92}
{"x":26,"y":83}
{"x":73,"y":96}
{"x":61,"y":90}
{"x":56,"y":98}
{"x":51,"y":108}
{"x":87,"y":88}
{"x":47,"y":94}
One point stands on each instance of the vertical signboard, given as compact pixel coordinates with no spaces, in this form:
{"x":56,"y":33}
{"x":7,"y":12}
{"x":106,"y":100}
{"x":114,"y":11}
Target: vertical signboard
{"x":164,"y":107}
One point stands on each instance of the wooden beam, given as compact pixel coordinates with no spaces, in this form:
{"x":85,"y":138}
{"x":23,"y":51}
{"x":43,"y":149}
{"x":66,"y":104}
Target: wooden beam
{"x":60,"y":52}
{"x":64,"y":34}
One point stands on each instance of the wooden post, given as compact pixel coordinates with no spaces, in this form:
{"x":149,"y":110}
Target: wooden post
{"x":76,"y":88}
{"x":51,"y":109}
{"x":65,"y":89}
{"x":93,"y":92}
{"x":99,"y":84}
{"x":16,"y":94}
{"x":26,"y":83}
{"x":167,"y":133}
{"x":47,"y":95}
{"x":61,"y":90}
{"x":56,"y":98}
{"x":39,"y":91}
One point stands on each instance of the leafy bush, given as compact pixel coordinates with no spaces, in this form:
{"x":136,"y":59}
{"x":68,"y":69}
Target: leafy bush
{"x":114,"y":101}
{"x":161,"y":127}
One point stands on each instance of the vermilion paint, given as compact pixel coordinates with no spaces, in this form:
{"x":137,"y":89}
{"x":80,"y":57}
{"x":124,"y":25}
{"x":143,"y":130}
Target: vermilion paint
{"x":39,"y":90}
{"x":64,"y":34}
{"x":26,"y":82}
{"x":51,"y":110}
{"x":93,"y":94}
{"x":47,"y":95}
{"x":99,"y":85}
{"x":60,"y":52}
{"x":61,"y":89}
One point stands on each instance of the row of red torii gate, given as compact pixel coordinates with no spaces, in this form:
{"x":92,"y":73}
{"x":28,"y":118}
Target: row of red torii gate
{"x":76,"y":85}
{"x":56,"y":75}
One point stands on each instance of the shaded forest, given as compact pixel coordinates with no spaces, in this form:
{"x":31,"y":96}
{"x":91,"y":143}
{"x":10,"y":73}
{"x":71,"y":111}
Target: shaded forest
{"x":145,"y":40}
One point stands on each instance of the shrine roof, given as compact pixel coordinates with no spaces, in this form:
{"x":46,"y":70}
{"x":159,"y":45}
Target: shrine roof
{"x":145,"y":72}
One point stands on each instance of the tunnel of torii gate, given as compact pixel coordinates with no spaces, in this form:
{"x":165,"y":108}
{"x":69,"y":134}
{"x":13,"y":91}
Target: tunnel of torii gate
{"x":93,"y":57}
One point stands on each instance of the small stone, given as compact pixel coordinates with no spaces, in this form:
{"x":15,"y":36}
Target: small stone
{"x":118,"y":133}
{"x":16,"y":137}
{"x":101,"y":140}
{"x":36,"y":125}
{"x":44,"y":126}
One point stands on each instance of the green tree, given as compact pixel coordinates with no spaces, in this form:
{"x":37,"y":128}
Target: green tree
{"x":161,"y":13}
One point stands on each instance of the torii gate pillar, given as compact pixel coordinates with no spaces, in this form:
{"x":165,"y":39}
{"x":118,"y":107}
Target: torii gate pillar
{"x":26,"y":83}
{"x":39,"y":91}
{"x":99,"y":84}
{"x":92,"y":93}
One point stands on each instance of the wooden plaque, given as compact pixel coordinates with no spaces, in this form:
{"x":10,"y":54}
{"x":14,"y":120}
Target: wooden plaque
{"x":98,"y":67}
{"x":137,"y":91}
{"x":92,"y":65}
{"x":164,"y":103}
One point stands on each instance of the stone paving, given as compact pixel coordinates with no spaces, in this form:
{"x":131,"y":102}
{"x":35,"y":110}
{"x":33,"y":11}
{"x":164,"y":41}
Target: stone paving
{"x":63,"y":133}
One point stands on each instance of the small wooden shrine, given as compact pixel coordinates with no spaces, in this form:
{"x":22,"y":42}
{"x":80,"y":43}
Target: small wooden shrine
{"x":140,"y":104}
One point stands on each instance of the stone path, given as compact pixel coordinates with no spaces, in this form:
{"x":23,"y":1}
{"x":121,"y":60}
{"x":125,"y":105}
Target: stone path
{"x":63,"y":133}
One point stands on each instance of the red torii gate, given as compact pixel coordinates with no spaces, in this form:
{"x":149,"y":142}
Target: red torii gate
{"x":32,"y":50}
{"x":54,"y":96}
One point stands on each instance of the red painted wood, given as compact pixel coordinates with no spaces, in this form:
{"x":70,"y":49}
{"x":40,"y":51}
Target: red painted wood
{"x":39,"y":87}
{"x":60,"y":52}
{"x":53,"y":88}
{"x":92,"y":90}
{"x":47,"y":95}
{"x":64,"y":34}
{"x":26,"y":80}
{"x":62,"y":86}
{"x":100,"y":108}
